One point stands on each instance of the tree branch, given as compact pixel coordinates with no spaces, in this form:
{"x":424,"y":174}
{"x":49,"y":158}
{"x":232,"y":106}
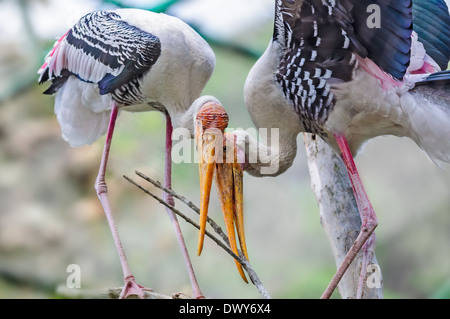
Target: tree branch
{"x":110,"y":293}
{"x":339,"y":213}
{"x":187,"y":202}
{"x":241,"y":258}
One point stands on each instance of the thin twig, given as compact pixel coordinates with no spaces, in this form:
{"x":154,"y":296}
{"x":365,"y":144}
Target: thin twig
{"x":241,"y":258}
{"x":185,"y":201}
{"x":191,"y":205}
{"x":109,"y":293}
{"x":176,"y":211}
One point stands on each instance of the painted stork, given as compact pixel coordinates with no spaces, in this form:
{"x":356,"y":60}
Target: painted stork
{"x":131,"y":60}
{"x":333,"y":71}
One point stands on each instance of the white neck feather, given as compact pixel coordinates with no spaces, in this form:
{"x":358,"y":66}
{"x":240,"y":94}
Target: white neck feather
{"x":272,"y":155}
{"x":269,"y":110}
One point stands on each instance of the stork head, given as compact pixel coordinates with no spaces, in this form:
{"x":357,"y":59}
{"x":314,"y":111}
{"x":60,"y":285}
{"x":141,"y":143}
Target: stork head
{"x":217,"y":152}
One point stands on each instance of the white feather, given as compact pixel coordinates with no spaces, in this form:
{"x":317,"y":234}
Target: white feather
{"x":430,"y":129}
{"x":80,"y":125}
{"x":419,"y":56}
{"x":364,"y":110}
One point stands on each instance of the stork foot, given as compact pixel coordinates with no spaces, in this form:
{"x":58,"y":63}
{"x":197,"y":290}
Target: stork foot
{"x":368,"y":251}
{"x":366,"y":238}
{"x":132,"y":290}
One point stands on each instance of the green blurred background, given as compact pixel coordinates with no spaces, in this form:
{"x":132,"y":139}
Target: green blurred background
{"x":50,"y":216}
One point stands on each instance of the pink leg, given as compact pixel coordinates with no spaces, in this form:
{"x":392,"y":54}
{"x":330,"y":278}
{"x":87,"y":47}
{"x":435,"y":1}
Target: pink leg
{"x":130,"y":286}
{"x":366,"y":237}
{"x":169,"y":199}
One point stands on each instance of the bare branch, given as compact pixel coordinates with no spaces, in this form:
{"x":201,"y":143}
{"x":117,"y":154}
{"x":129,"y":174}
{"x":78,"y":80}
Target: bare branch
{"x":185,"y":201}
{"x":241,"y":258}
{"x":109,"y":293}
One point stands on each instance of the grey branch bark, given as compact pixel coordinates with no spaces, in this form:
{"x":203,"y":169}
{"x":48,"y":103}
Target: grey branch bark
{"x":339,"y":215}
{"x":110,"y":293}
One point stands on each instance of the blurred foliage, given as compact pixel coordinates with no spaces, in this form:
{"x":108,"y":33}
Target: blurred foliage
{"x":162,"y":7}
{"x":50,"y":216}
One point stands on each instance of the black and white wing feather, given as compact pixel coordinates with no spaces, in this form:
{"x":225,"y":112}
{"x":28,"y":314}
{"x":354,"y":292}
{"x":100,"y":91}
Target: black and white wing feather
{"x":321,"y":40}
{"x":106,"y":50}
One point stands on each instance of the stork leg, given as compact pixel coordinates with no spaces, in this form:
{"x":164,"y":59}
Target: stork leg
{"x":130,"y":287}
{"x":366,"y":237}
{"x":168,"y":198}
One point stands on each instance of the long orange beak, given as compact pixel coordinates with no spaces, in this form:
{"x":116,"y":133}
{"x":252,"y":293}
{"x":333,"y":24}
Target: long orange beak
{"x":213,"y":145}
{"x":207,"y":165}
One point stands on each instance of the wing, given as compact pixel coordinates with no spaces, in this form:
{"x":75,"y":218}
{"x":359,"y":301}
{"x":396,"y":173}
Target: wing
{"x":321,"y":39}
{"x":378,"y":29}
{"x":438,"y":79}
{"x":103,"y":49}
{"x":431,"y":22}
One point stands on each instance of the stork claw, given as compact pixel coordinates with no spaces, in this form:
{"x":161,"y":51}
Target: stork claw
{"x":132,"y":290}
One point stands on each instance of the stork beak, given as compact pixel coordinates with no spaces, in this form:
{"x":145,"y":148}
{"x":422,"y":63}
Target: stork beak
{"x":212,"y":146}
{"x":229,"y":178}
{"x":207,"y":165}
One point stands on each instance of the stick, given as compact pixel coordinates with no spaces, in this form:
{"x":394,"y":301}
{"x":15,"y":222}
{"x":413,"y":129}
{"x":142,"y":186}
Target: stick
{"x":241,"y":258}
{"x":185,"y":201}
